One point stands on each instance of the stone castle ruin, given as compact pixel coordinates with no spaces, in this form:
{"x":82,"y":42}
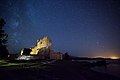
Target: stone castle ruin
{"x":42,"y":50}
{"x":44,"y":43}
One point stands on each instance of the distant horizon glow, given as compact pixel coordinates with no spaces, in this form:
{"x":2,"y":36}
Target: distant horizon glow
{"x":111,"y":57}
{"x":115,"y":57}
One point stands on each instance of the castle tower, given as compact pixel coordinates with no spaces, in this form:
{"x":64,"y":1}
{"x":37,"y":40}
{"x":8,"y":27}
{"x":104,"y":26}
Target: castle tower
{"x":42,"y":43}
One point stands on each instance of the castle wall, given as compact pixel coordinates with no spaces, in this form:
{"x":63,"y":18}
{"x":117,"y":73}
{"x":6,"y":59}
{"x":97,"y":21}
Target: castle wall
{"x":42,"y":43}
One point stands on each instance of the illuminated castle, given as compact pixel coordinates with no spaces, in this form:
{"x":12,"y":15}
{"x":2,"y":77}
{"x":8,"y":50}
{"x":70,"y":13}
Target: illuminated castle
{"x":42,"y":50}
{"x":42,"y":43}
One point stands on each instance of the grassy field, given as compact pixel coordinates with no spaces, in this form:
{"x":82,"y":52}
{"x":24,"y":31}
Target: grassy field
{"x":5,"y":63}
{"x":22,"y":64}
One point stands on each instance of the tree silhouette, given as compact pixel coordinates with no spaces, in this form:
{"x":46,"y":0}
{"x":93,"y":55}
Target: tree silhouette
{"x":26,"y":51}
{"x":2,"y":23}
{"x":66,"y":56}
{"x":3,"y":40}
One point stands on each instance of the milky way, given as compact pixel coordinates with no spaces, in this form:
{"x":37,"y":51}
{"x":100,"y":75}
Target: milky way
{"x":80,"y":27}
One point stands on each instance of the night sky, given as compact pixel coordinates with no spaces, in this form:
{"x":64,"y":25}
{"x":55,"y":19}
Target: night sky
{"x":79,"y":27}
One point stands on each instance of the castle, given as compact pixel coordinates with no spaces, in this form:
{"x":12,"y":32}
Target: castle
{"x":42,"y":50}
{"x":42,"y":43}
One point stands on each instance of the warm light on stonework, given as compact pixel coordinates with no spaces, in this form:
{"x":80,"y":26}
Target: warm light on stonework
{"x":42,"y":43}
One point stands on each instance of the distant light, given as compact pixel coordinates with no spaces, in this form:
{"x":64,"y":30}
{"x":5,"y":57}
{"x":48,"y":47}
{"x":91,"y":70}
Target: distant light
{"x":114,"y":57}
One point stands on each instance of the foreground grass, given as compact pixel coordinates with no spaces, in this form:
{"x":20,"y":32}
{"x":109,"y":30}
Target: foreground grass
{"x":22,"y":64}
{"x":6,"y":63}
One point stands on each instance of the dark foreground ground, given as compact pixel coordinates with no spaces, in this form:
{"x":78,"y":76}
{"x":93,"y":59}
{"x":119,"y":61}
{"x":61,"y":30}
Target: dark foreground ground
{"x":60,"y":70}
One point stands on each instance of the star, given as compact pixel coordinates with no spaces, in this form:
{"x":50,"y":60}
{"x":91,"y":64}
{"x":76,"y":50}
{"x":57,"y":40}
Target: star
{"x":97,"y":42}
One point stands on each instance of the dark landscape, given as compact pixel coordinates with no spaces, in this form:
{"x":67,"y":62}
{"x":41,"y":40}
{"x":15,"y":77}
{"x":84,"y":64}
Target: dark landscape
{"x":58,"y":70}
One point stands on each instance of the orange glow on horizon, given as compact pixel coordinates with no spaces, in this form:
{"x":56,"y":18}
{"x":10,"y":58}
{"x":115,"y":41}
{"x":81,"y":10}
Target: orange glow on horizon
{"x":114,"y":57}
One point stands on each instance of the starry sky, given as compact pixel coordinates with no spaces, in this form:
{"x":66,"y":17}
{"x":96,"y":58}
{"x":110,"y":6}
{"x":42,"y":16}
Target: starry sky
{"x":80,"y":27}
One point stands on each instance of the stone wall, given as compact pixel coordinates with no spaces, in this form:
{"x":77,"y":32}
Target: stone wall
{"x":42,"y":43}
